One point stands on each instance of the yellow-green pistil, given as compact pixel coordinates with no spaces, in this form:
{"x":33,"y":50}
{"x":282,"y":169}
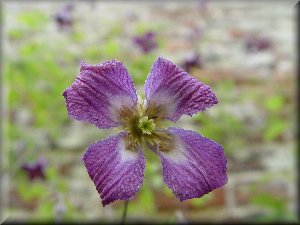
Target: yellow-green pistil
{"x":145,"y":125}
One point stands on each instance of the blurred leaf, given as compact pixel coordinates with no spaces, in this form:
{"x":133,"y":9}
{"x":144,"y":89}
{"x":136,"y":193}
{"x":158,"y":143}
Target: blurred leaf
{"x":72,"y":213}
{"x":44,"y":211}
{"x":142,"y":27}
{"x":16,"y":34}
{"x":278,"y":208}
{"x":51,"y":173}
{"x":78,"y":36}
{"x":225,"y":91}
{"x":276,"y":126}
{"x":92,"y":55}
{"x":274,"y":103}
{"x":139,"y":67}
{"x":62,"y":186}
{"x":116,"y":29}
{"x":268,"y":200}
{"x":31,"y":190}
{"x":146,"y":201}
{"x":166,"y":190}
{"x":201,"y":201}
{"x":110,"y":48}
{"x":33,"y":19}
{"x":222,"y":128}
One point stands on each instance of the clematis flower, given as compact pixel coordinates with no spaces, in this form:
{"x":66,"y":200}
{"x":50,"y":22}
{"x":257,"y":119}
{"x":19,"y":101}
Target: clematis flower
{"x":104,"y":95}
{"x":146,"y":42}
{"x":202,"y":6}
{"x":192,"y":60}
{"x":256,"y":44}
{"x":196,"y":34}
{"x":63,"y":17}
{"x":35,"y":170}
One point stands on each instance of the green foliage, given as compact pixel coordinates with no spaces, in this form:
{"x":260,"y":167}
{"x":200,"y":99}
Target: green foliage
{"x":34,"y":19}
{"x":44,"y":212}
{"x":201,"y":201}
{"x":16,"y":34}
{"x":78,"y":36}
{"x":142,"y":27}
{"x":275,"y":127}
{"x":31,"y":190}
{"x":139,"y":67}
{"x":40,"y":81}
{"x":39,"y":68}
{"x":221,"y":128}
{"x":274,"y":103}
{"x":110,"y":48}
{"x":277,"y":208}
{"x":92,"y":54}
{"x":145,"y":202}
{"x":276,"y":123}
{"x":115,"y":30}
{"x":225,"y":91}
{"x":51,"y":173}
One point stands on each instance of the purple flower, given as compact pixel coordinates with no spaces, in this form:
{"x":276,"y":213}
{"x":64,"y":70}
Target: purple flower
{"x":146,"y":42}
{"x":255,"y":44}
{"x":63,"y":17}
{"x":193,"y":60}
{"x":35,"y":170}
{"x":195,"y":34}
{"x":202,"y":6}
{"x":104,"y":94}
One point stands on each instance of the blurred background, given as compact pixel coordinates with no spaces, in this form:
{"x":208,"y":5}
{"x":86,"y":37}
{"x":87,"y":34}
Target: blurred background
{"x":245,"y":50}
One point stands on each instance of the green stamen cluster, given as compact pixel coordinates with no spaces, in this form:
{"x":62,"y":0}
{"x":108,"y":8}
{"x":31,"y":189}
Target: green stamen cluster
{"x":145,"y":125}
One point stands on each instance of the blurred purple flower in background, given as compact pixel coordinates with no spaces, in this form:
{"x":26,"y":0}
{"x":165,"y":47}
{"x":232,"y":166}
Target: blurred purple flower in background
{"x":196,"y":34}
{"x":63,"y":17}
{"x":104,"y":95}
{"x":256,"y":44}
{"x":192,"y":60}
{"x":202,"y":6}
{"x":146,"y":42}
{"x":35,"y":170}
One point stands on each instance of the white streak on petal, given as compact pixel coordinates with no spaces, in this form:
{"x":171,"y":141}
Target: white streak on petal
{"x":177,"y":153}
{"x":116,"y":103}
{"x":165,"y":99}
{"x":202,"y":170}
{"x":126,"y":154}
{"x":114,"y":179}
{"x":179,"y":88}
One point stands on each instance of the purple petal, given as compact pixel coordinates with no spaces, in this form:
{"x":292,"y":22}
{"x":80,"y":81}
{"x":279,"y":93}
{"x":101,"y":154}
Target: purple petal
{"x":117,"y":173}
{"x":98,"y":93}
{"x":180,"y":93}
{"x":195,"y":166}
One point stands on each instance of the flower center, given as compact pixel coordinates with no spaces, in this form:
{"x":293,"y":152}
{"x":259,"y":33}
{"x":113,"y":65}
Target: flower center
{"x":146,"y":125}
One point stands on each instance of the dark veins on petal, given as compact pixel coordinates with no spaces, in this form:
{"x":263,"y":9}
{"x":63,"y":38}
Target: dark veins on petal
{"x":117,"y":173}
{"x":186,"y":93}
{"x":95,"y":91}
{"x":196,"y":166}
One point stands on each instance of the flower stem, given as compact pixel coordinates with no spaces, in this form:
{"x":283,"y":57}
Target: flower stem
{"x":124,"y":212}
